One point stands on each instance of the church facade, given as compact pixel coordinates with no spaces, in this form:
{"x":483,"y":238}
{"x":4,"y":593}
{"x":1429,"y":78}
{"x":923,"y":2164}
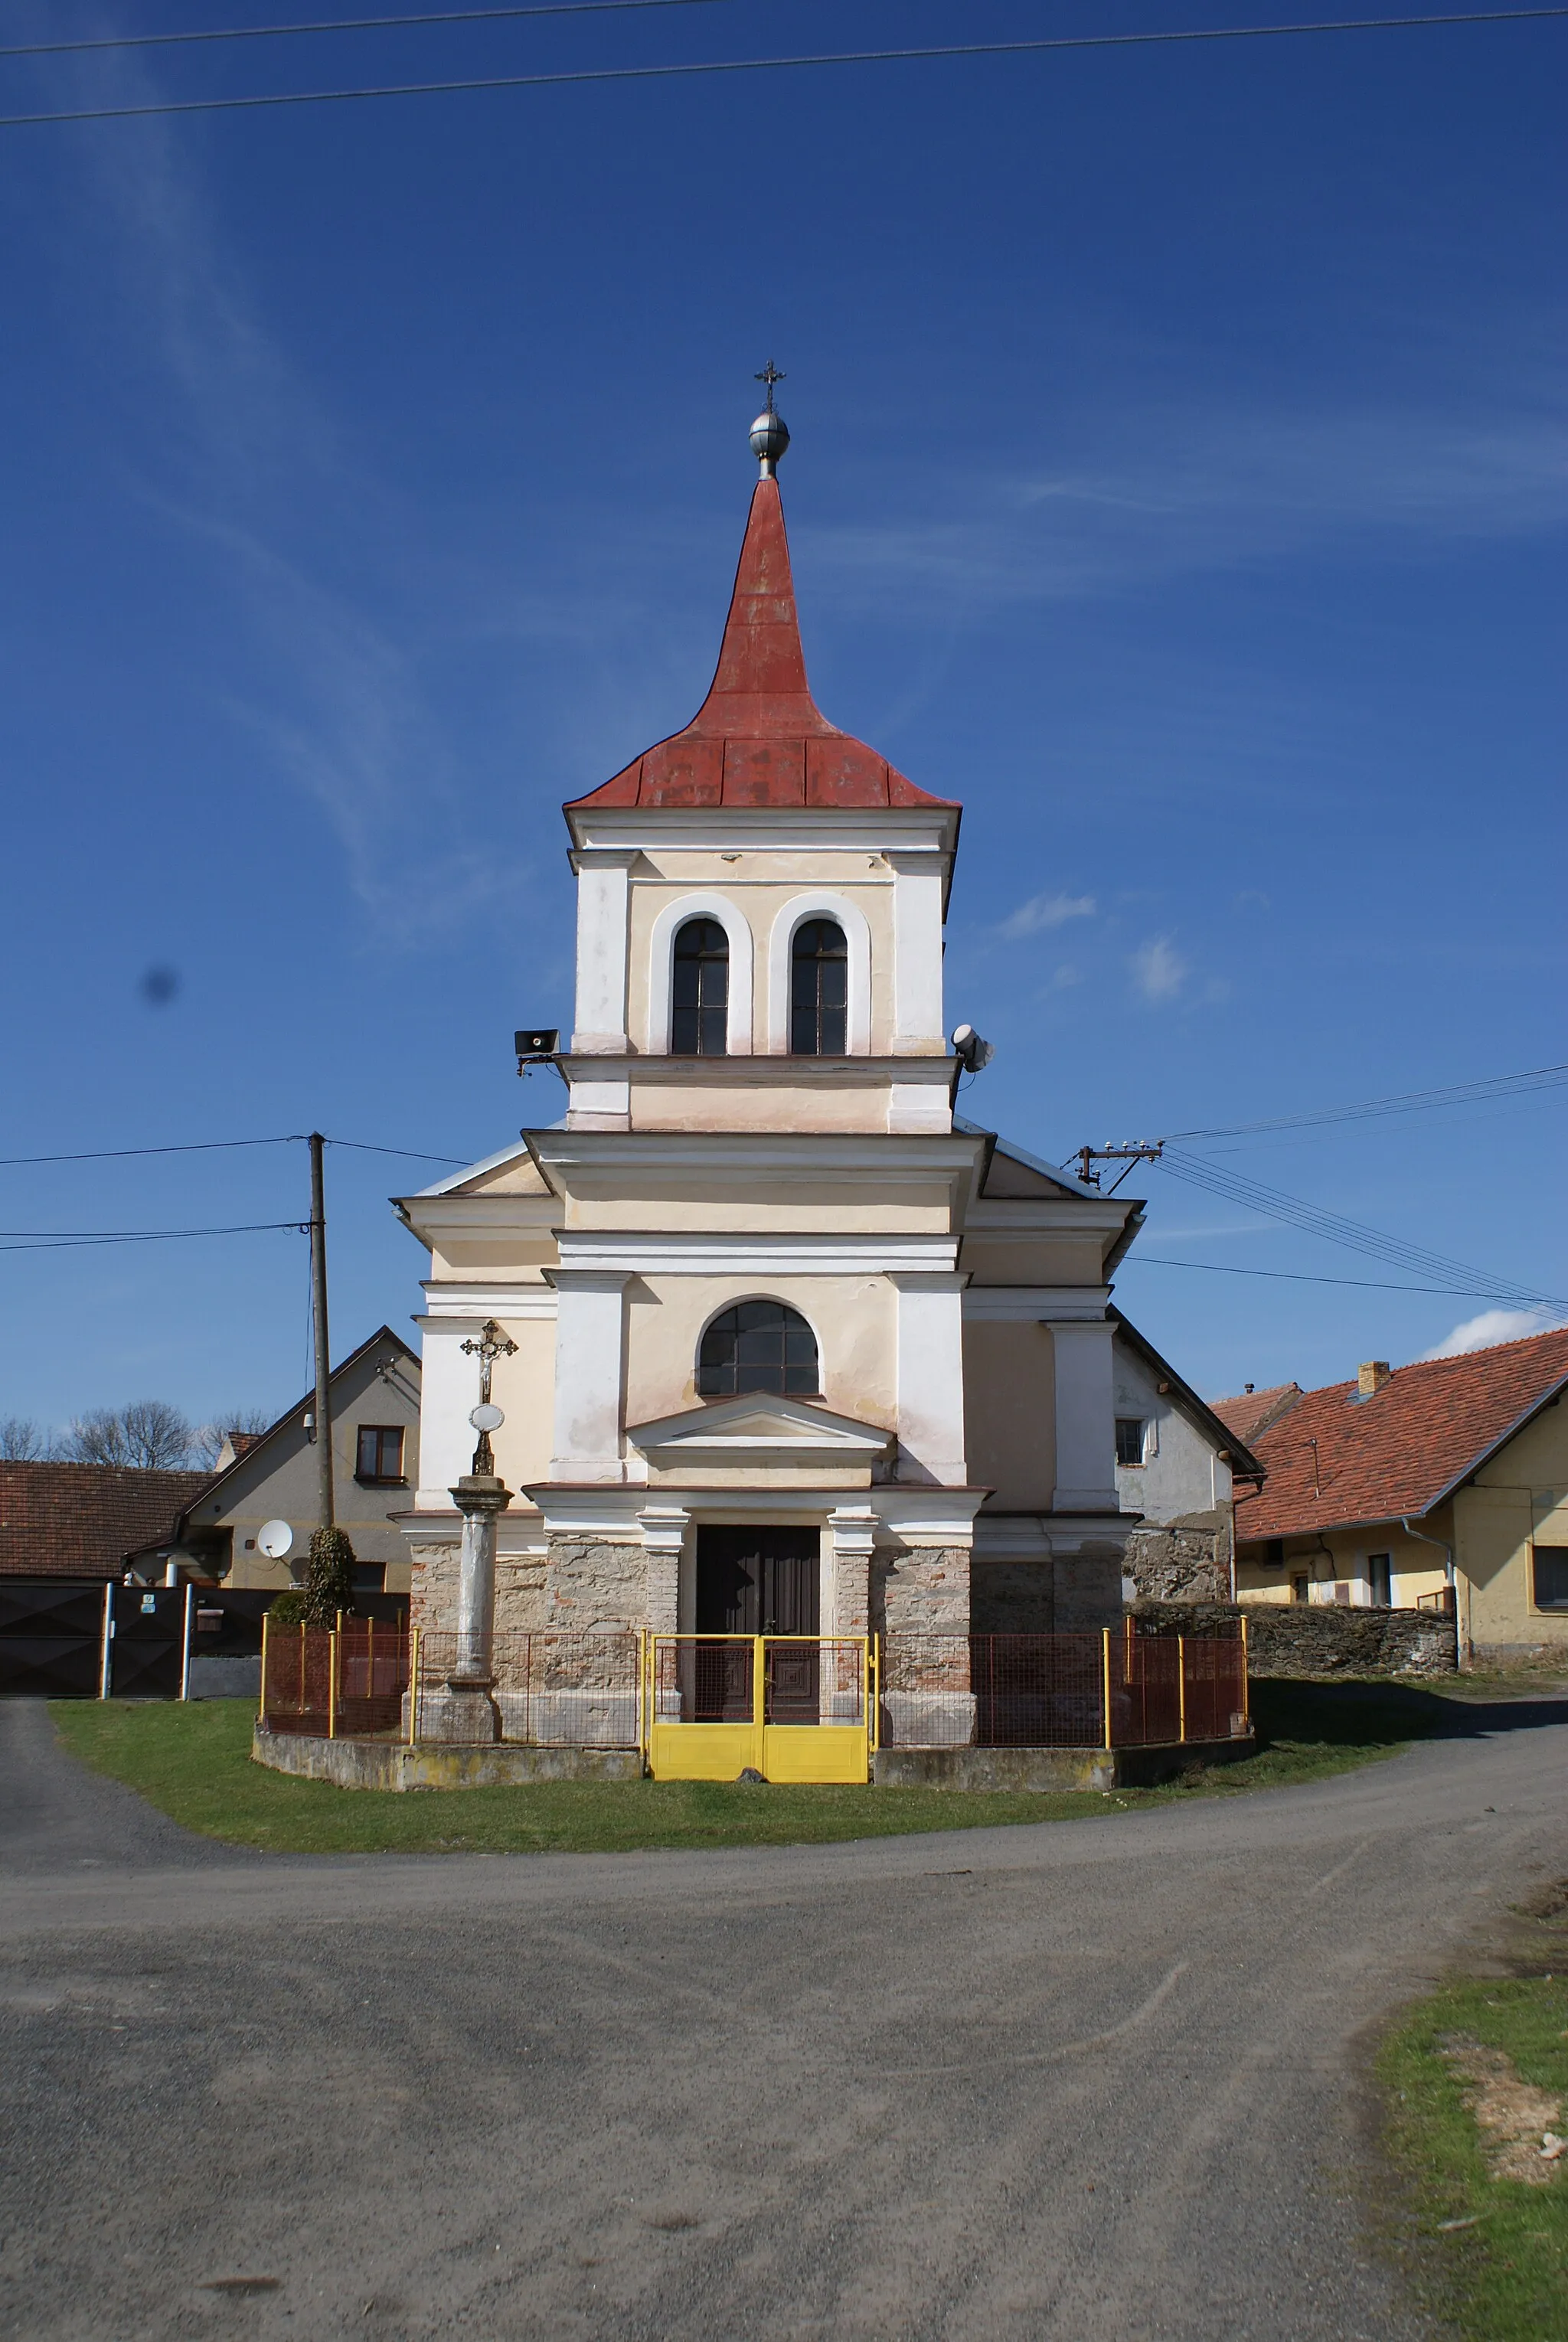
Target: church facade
{"x":796,"y":1349}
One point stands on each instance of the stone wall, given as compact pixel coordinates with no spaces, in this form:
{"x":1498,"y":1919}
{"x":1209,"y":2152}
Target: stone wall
{"x":1316,"y":1638}
{"x":591,"y":1584}
{"x":920,"y":1591}
{"x":1187,"y":1560}
{"x":1089,"y":1588}
{"x":1013,"y":1598}
{"x":433,"y":1588}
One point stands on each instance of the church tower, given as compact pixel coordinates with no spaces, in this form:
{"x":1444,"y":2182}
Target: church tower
{"x":796,"y":1350}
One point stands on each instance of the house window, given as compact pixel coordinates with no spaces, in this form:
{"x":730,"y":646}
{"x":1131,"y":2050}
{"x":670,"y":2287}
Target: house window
{"x":819,"y":990}
{"x":758,"y":1345}
{"x":1551,"y":1565}
{"x":700,"y":992}
{"x":369,"y":1577}
{"x":380,"y":1457}
{"x":1128,"y":1439}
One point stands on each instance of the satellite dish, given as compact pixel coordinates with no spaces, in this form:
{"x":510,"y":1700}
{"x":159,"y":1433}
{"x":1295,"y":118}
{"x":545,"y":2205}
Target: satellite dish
{"x":486,"y":1418}
{"x":973,"y":1053}
{"x":275,"y":1538}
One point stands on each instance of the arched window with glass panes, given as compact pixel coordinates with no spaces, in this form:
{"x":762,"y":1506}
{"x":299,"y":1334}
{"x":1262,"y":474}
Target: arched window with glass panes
{"x":758,"y":1345}
{"x":819,"y":989}
{"x":700,"y":990}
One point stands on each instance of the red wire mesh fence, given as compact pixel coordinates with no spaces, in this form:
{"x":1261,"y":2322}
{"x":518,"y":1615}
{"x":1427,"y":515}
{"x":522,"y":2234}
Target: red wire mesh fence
{"x":1050,"y":1691}
{"x":547,"y":1691}
{"x":350,"y":1682}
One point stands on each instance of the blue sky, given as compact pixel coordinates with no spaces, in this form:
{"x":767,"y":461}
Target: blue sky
{"x":1177,"y":478}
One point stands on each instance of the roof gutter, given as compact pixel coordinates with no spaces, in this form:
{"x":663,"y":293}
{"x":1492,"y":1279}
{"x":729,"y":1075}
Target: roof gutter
{"x":1450,"y":1571}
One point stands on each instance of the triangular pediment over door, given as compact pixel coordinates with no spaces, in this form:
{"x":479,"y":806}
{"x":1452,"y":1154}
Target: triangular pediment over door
{"x":760,"y":1430}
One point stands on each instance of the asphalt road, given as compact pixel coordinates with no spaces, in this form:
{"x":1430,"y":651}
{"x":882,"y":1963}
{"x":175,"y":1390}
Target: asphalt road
{"x":1088,"y":2080}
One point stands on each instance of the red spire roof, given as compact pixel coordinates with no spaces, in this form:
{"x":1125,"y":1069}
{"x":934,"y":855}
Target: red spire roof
{"x":759,"y":737}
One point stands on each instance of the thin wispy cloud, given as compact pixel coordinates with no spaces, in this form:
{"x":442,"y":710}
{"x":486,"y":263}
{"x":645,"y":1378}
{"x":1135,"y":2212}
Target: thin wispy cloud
{"x":304,"y":538}
{"x":1043,"y":912}
{"x":1481,"y":1333}
{"x":1158,"y":969}
{"x":1194,"y":489}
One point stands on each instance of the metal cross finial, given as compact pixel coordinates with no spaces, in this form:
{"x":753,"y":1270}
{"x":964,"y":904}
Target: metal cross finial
{"x":770,"y":374}
{"x":493,"y":1344}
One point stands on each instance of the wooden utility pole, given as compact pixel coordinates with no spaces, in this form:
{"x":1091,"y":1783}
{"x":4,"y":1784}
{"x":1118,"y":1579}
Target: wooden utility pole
{"x":324,"y":1497}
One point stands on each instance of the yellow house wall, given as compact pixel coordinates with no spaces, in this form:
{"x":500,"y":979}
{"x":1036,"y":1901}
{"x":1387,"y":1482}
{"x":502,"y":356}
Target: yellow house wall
{"x":1340,"y":1556}
{"x":1518,"y":1499}
{"x":726,"y":1105}
{"x":1010,"y":1413}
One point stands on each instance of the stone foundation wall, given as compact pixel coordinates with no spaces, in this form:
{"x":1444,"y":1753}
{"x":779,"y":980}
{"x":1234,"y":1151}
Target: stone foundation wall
{"x":1088,"y":1590}
{"x":433,"y":1587}
{"x":1317,"y":1638}
{"x":1013,"y":1598}
{"x":591,"y":1585}
{"x":920,"y":1591}
{"x":1185,"y":1561}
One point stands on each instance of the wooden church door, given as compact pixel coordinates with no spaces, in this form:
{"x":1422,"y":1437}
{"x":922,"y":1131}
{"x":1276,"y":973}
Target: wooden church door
{"x":765,"y":1581}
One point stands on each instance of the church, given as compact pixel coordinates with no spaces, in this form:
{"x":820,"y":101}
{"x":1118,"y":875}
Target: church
{"x":782,"y":1346}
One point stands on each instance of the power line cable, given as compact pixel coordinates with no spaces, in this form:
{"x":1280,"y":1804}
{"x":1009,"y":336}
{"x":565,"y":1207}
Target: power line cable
{"x":406,"y":1154}
{"x":776,"y":65}
{"x":1498,"y":1085}
{"x":214,"y":1146}
{"x":1274,"y":1204}
{"x":1299,"y":1277}
{"x":23,"y":1240}
{"x":118,"y":1154}
{"x":342,"y":24}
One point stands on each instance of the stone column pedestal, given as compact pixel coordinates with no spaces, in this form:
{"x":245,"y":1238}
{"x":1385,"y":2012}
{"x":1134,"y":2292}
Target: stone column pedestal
{"x":469,"y":1709}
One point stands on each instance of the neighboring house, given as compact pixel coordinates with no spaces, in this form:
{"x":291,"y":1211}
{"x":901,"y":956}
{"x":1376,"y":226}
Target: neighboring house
{"x":1177,"y":1464}
{"x":793,"y":1344}
{"x":77,"y":1520}
{"x":271,"y":1475}
{"x":1435,"y":1485}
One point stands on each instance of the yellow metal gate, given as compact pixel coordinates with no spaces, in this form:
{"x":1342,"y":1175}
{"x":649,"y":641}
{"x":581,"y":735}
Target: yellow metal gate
{"x":793,"y":1708}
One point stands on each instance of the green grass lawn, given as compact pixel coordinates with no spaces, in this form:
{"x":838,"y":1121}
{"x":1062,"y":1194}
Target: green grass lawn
{"x":194,"y":1763}
{"x":1491,"y":2256}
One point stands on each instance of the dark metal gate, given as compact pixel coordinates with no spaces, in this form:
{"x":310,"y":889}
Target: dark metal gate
{"x":51,"y":1638}
{"x":147,"y":1642}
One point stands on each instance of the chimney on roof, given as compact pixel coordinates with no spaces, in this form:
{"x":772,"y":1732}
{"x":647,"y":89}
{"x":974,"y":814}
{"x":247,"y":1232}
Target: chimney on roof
{"x":1372,"y":1377}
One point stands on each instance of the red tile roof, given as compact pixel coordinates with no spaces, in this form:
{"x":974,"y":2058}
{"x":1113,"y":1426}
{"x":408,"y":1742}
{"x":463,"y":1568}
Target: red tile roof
{"x":1402,"y":1450}
{"x":78,"y":1520}
{"x":759,"y":737}
{"x":1251,"y":1414}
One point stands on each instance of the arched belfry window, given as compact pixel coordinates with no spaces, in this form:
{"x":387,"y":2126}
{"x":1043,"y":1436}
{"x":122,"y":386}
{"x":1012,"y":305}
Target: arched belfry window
{"x":758,"y":1345}
{"x":700,"y":990}
{"x":819,"y":989}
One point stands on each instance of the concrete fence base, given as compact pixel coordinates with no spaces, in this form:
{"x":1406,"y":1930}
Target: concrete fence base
{"x":391,"y":1765}
{"x":1051,"y":1768}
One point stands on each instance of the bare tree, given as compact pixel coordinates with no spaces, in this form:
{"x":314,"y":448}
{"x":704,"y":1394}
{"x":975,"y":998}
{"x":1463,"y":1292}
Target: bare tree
{"x":24,"y":1441}
{"x":207,"y":1441}
{"x":148,"y":1435}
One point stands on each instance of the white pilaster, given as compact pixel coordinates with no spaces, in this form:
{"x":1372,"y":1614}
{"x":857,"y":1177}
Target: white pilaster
{"x":917,"y":1022}
{"x":1085,"y":1416}
{"x":589,"y":1346}
{"x":604,"y":929}
{"x":852,"y":1532}
{"x":663,"y":1529}
{"x":931,"y":1378}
